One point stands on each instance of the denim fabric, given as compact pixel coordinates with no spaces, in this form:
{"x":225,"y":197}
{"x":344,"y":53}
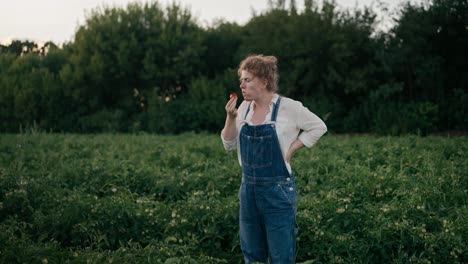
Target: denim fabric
{"x":268,"y":197}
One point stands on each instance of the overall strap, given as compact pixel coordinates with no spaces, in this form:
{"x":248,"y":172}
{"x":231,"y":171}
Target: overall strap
{"x":275,"y":110}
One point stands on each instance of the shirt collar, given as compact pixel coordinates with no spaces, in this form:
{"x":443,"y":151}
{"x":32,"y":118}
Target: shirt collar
{"x":273,"y":102}
{"x":274,"y":99}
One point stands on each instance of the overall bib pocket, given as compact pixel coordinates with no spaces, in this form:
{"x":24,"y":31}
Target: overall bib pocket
{"x":259,"y":152}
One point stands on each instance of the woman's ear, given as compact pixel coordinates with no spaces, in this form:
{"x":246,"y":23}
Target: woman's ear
{"x":265,"y":83}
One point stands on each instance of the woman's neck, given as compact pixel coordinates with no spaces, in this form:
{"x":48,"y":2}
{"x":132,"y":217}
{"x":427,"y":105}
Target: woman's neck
{"x":264,"y":101}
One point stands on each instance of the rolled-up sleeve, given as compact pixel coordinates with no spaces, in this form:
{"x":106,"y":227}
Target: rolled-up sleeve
{"x":233,"y":144}
{"x":313,"y":128}
{"x":229,"y":145}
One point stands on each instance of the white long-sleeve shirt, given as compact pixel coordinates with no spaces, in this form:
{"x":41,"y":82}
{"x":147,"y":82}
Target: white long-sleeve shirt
{"x":291,"y":119}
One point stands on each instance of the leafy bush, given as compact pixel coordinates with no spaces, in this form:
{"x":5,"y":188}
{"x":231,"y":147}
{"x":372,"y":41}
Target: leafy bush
{"x":405,"y":118}
{"x":103,"y":121}
{"x":174,"y":199}
{"x":200,"y":109}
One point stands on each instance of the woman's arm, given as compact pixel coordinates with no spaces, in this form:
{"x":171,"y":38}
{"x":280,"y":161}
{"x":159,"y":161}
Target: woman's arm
{"x":312,"y":129}
{"x":229,"y":131}
{"x":295,"y":146}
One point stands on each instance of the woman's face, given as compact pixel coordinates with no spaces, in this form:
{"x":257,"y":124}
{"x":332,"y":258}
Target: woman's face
{"x":252,"y":87}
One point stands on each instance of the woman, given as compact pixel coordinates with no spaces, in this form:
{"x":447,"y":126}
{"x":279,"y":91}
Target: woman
{"x":265,"y":130}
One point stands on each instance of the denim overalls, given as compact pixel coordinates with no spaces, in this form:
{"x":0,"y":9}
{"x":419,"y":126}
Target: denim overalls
{"x":268,"y":198}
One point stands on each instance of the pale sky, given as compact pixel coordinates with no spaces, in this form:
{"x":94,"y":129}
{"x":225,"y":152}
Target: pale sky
{"x":58,"y":20}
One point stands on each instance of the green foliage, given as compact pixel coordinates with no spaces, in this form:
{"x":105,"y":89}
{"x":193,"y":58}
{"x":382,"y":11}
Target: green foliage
{"x":197,"y":110}
{"x":410,"y":79}
{"x":32,"y":92}
{"x":142,"y":46}
{"x":103,"y":121}
{"x":426,"y":55}
{"x":221,"y":42}
{"x":174,"y":199}
{"x":398,"y":118}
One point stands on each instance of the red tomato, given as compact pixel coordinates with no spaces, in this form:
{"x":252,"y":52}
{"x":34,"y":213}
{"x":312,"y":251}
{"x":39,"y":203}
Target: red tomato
{"x":233,"y":95}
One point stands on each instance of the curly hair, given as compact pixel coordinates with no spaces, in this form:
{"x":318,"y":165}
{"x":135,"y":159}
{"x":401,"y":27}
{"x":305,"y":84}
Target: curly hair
{"x":264,"y":67}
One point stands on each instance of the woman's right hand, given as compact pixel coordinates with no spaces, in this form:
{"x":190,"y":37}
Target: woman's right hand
{"x":231,"y":109}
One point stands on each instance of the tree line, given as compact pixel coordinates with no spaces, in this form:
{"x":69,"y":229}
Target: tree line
{"x":154,"y":68}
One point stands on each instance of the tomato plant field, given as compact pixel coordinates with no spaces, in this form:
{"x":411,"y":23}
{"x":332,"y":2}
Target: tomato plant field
{"x":107,"y":198}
